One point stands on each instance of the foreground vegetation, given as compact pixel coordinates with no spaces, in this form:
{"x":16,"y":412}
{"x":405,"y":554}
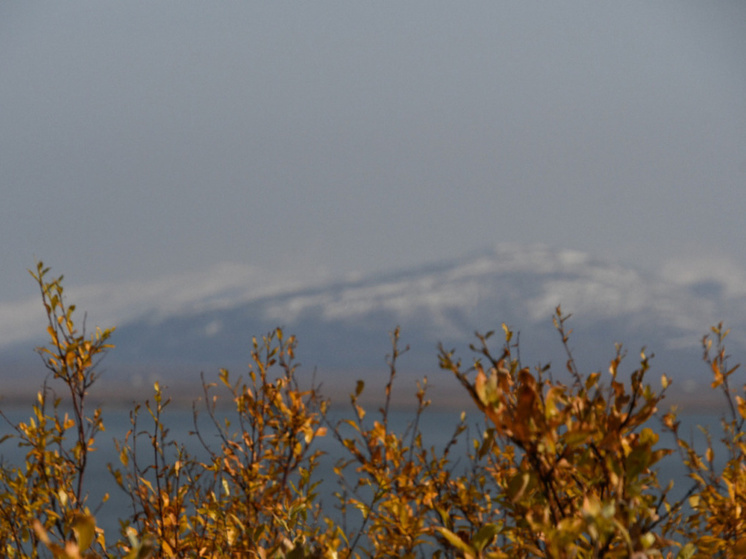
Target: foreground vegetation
{"x":563,"y":469}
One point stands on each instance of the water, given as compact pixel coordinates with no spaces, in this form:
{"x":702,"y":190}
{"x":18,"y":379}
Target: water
{"x":437,"y":428}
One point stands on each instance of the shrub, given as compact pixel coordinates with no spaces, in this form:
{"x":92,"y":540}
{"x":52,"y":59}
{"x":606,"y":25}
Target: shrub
{"x":44,"y":499}
{"x":562,"y":469}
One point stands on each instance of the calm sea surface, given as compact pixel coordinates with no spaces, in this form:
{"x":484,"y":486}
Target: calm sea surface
{"x":437,"y":428}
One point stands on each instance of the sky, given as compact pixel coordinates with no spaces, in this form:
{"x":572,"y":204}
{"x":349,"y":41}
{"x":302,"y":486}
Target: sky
{"x":149,"y":140}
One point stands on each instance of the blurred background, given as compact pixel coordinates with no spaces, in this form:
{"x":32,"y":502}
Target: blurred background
{"x":180,"y":157}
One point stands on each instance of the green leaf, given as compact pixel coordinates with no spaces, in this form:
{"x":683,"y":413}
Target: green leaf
{"x":484,"y":536}
{"x":517,"y":486}
{"x":296,"y":553}
{"x":687,"y":551}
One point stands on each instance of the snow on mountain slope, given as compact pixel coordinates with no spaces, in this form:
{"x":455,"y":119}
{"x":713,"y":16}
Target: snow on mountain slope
{"x":226,"y":285}
{"x":343,"y":326}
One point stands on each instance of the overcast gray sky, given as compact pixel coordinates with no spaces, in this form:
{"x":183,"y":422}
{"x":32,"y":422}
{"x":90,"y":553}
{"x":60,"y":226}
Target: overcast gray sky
{"x":143,"y":139}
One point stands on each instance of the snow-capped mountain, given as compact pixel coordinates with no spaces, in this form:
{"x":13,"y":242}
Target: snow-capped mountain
{"x":343,"y":326}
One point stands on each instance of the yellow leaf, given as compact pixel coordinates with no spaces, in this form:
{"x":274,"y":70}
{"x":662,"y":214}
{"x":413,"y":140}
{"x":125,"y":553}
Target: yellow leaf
{"x":740,"y":548}
{"x":741,"y":406}
{"x":508,"y":333}
{"x":41,"y":533}
{"x":479,"y":386}
{"x":84,"y":527}
{"x":456,"y":542}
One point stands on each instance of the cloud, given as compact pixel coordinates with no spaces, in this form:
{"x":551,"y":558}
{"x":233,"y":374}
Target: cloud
{"x":707,"y":269}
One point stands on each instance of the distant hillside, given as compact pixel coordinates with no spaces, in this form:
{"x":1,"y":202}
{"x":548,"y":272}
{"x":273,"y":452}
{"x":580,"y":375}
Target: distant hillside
{"x":343,"y":326}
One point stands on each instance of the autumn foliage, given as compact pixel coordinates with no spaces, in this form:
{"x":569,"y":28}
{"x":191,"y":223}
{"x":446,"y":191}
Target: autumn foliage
{"x":563,"y":468}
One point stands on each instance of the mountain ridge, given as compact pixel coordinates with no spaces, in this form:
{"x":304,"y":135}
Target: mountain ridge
{"x":343,"y":324}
